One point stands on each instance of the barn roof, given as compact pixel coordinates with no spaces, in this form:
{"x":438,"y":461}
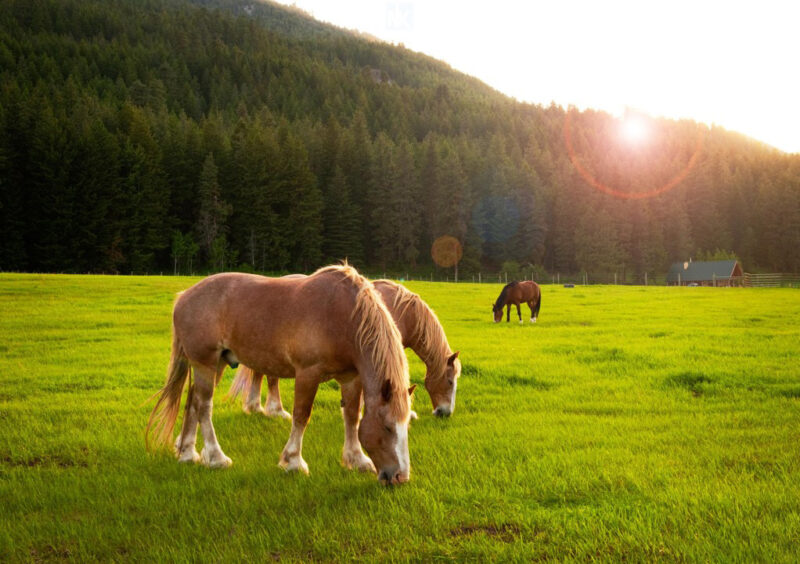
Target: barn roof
{"x":698,"y":271}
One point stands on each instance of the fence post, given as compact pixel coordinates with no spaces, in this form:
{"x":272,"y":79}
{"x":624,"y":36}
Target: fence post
{"x":506,"y":273}
{"x":479,"y":278}
{"x":615,"y":279}
{"x":645,"y":278}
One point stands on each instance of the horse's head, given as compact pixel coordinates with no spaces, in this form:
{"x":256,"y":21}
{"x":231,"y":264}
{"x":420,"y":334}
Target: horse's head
{"x":497,"y":313}
{"x":383,"y":432}
{"x":442,"y":387}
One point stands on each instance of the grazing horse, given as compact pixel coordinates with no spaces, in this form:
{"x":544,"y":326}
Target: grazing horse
{"x":332,"y":324}
{"x":420,"y":330}
{"x":517,"y":293}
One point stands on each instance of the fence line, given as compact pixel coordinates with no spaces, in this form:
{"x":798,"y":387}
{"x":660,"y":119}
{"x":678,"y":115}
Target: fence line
{"x":583,"y":279}
{"x":775,"y":280}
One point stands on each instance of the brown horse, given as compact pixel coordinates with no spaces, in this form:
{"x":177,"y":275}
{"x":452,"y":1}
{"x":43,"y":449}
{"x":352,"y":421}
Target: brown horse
{"x":516,"y":293}
{"x":332,"y":324}
{"x":420,"y":330}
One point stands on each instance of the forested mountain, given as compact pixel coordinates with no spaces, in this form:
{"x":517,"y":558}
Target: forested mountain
{"x":147,"y":135}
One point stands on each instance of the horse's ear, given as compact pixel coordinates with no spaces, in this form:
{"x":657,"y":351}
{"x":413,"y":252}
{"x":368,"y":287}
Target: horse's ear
{"x":411,"y":389}
{"x":386,"y":390}
{"x":452,"y":358}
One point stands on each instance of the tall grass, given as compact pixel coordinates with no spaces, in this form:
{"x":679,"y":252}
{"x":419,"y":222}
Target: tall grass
{"x":629,"y":423}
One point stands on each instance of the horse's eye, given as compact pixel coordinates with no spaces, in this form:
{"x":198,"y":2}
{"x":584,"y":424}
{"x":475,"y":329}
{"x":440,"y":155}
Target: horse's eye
{"x":450,"y":382}
{"x":388,"y":429}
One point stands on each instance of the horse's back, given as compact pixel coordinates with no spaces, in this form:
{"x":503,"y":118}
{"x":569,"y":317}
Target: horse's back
{"x":530,"y":290}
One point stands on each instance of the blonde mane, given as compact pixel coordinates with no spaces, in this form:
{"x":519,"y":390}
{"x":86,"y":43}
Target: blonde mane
{"x":427,"y":335}
{"x":377,"y":333}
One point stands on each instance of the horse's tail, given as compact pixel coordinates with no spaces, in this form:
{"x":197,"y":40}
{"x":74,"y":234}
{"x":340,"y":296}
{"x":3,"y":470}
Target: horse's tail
{"x":165,"y":413}
{"x":242,"y":383}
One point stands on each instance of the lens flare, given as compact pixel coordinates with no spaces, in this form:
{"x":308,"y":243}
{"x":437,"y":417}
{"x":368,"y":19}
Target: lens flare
{"x":592,"y":181}
{"x":634,"y":129}
{"x":446,"y":251}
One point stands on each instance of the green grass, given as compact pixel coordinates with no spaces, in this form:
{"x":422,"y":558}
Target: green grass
{"x":629,"y":423}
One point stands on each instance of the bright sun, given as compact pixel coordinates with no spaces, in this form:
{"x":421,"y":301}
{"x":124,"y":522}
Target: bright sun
{"x":634,"y":130}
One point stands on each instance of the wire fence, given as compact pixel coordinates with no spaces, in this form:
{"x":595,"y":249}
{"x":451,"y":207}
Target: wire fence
{"x":504,"y":277}
{"x":774,"y":280}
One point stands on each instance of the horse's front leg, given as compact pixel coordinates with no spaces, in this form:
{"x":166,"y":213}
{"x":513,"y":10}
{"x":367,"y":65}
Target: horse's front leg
{"x":353,"y":458}
{"x":519,"y":314}
{"x":305,"y":389}
{"x":274,"y":406}
{"x":508,"y":313}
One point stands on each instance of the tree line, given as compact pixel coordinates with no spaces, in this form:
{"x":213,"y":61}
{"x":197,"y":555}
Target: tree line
{"x":166,"y":135}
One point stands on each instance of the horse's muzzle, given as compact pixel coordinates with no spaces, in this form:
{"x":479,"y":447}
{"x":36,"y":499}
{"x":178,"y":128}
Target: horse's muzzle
{"x":392,"y":476}
{"x":442,"y":411}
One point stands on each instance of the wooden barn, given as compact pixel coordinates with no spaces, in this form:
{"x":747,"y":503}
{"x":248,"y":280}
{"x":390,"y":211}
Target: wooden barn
{"x":705,"y":273}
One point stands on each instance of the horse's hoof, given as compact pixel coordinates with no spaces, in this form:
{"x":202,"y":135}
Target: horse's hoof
{"x":277,"y":413}
{"x":215,"y":459}
{"x":413,"y":415}
{"x":189,"y":456}
{"x":254,"y":408}
{"x":358,"y":461}
{"x":296,"y":464}
{"x":520,"y":322}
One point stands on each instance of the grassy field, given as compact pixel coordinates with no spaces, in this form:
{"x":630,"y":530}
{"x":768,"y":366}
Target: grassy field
{"x":630,"y":423}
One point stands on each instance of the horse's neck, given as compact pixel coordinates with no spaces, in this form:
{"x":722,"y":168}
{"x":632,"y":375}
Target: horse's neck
{"x":432,"y":351}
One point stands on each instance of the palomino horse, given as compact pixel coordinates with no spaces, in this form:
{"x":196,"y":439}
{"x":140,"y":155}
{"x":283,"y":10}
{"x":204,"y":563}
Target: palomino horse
{"x":332,"y":324}
{"x":517,"y":293}
{"x":420,"y":330}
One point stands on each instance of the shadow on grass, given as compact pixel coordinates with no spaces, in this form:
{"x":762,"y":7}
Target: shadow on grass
{"x":512,"y":380}
{"x":693,"y":382}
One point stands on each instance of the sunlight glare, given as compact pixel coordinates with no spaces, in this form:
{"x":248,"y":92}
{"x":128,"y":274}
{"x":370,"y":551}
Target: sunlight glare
{"x":634,"y":130}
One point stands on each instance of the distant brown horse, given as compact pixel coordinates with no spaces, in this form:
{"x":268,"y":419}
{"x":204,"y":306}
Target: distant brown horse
{"x":516,"y":293}
{"x":420,"y":330}
{"x":332,"y":324}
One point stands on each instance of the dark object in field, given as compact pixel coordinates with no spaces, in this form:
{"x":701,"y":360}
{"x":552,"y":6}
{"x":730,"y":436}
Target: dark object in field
{"x":516,"y":293}
{"x":569,"y":285}
{"x":420,"y":330}
{"x":332,"y":324}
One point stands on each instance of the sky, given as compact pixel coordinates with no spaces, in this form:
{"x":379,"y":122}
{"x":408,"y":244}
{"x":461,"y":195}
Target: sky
{"x":734,"y":64}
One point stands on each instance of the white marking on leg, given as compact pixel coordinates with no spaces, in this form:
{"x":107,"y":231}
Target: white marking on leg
{"x":185,"y":449}
{"x":292,"y":457}
{"x":211,"y":455}
{"x":275,"y":409}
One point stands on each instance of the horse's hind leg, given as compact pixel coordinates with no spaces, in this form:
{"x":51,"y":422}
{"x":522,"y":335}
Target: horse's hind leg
{"x":353,"y":458}
{"x":203,"y":398}
{"x":274,"y":405}
{"x":252,"y":403}
{"x":519,"y":314}
{"x":185,"y":444}
{"x":533,"y":311}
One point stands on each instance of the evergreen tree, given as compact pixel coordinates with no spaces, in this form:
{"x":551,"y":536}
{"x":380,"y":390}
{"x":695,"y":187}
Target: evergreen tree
{"x":341,"y":219}
{"x":212,"y":215}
